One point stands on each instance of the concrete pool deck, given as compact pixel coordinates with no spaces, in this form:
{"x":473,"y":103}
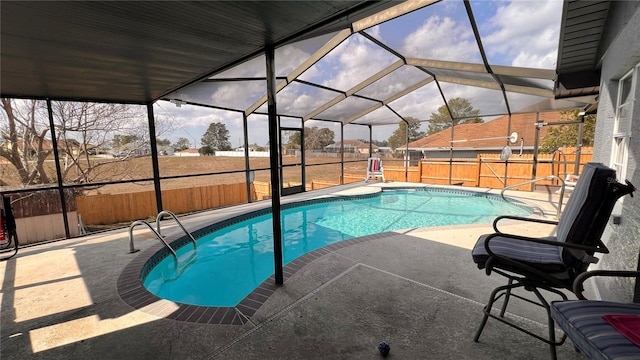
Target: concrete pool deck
{"x":417,"y":289}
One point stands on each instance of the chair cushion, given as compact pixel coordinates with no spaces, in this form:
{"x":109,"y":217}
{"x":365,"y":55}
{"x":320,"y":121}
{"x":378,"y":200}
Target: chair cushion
{"x":545,"y":257}
{"x":582,"y":321}
{"x":585,"y":216}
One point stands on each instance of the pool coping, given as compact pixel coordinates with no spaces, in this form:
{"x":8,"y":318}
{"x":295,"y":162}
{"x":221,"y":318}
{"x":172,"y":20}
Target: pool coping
{"x":131,"y":290}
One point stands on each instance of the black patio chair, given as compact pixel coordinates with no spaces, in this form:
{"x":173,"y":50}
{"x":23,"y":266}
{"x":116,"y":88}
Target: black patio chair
{"x":551,"y":263}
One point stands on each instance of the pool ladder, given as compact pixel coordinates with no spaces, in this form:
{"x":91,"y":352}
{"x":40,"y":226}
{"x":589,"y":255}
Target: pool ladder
{"x":158,"y":233}
{"x":550,"y":177}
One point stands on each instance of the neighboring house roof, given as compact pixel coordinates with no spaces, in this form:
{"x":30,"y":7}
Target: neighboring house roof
{"x":523,"y":124}
{"x":189,"y":151}
{"x":351,"y":144}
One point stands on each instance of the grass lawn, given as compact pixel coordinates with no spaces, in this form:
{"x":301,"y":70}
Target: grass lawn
{"x":109,"y":169}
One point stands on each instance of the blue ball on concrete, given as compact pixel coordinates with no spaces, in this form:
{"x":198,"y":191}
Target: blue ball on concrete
{"x":384,"y":348}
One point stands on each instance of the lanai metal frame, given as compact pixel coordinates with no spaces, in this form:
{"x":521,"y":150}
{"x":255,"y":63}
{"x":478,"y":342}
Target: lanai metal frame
{"x":348,"y":19}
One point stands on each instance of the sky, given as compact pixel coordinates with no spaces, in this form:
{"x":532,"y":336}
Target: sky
{"x":520,"y":33}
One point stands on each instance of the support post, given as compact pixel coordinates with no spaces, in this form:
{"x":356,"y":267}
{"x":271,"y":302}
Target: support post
{"x":56,"y":156}
{"x":247,"y":166}
{"x":341,"y":153}
{"x":453,"y":124}
{"x":154,"y":157}
{"x":274,"y":157}
{"x":576,"y":167}
{"x":303,"y":161}
{"x":406,"y":164}
{"x":370,"y":141}
{"x":536,"y":139}
{"x":506,"y":162}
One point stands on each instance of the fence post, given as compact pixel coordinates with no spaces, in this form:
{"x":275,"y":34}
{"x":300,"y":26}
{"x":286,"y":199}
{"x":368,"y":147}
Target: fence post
{"x":479,"y":169}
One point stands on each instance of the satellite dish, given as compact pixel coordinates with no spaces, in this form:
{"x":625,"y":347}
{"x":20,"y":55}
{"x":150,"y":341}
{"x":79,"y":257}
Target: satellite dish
{"x":505,"y":153}
{"x":513,"y":138}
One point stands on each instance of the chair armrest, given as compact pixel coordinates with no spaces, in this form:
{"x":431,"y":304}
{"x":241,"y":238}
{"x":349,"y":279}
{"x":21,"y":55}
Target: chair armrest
{"x":578,"y":287}
{"x":520,"y":218}
{"x":521,"y":265}
{"x":542,"y":241}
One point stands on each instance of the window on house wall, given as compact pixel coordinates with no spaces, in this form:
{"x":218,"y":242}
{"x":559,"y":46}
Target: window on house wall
{"x":622,"y":126}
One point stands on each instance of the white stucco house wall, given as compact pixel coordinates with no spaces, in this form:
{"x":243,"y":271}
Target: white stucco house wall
{"x":617,"y":141}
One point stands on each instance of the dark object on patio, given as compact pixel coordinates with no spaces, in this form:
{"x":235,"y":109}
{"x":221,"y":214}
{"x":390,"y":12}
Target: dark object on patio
{"x":384,"y":348}
{"x":8,"y":235}
{"x":551,"y":263}
{"x":600,"y":329}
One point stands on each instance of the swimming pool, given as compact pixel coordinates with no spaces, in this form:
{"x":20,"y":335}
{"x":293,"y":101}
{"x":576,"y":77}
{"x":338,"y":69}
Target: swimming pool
{"x":234,"y":259}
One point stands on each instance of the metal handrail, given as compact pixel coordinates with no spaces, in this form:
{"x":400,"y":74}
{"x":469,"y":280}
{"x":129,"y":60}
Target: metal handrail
{"x":550,"y":177}
{"x":564,"y":161}
{"x":167,"y":212}
{"x":132,"y":249}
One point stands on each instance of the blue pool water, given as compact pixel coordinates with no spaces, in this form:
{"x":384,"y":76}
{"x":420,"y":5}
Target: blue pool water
{"x":230,"y":262}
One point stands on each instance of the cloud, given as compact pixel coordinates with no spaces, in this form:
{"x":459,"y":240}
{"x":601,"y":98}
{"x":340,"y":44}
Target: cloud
{"x":526,"y":32}
{"x":299,"y":100}
{"x":192,"y":121}
{"x":352,"y":62}
{"x":290,"y":58}
{"x":442,"y":38}
{"x":519,"y":33}
{"x":394,"y":83}
{"x":488,"y":101}
{"x":420,"y":103}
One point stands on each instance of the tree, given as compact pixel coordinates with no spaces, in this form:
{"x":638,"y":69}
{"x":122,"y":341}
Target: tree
{"x":399,"y":136}
{"x":461,"y":113}
{"x":567,"y":135}
{"x":163,"y":142}
{"x":121,"y":140}
{"x":23,"y":143}
{"x":82,"y":126}
{"x":215,"y":138}
{"x":181,"y":144}
{"x":382,"y":143}
{"x":82,"y":129}
{"x":314,"y":138}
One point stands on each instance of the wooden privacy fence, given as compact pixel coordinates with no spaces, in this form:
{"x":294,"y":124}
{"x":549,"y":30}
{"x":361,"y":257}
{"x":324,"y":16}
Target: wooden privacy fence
{"x":262,"y":189}
{"x":117,"y":208}
{"x":489,"y":171}
{"x":486,"y":170}
{"x":39,"y":215}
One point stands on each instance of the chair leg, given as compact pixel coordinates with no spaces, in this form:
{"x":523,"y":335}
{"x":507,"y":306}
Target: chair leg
{"x":476,"y":337}
{"x":552,"y":328}
{"x":495,"y":295}
{"x":482,"y":324}
{"x":506,"y":291}
{"x":506,"y":299}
